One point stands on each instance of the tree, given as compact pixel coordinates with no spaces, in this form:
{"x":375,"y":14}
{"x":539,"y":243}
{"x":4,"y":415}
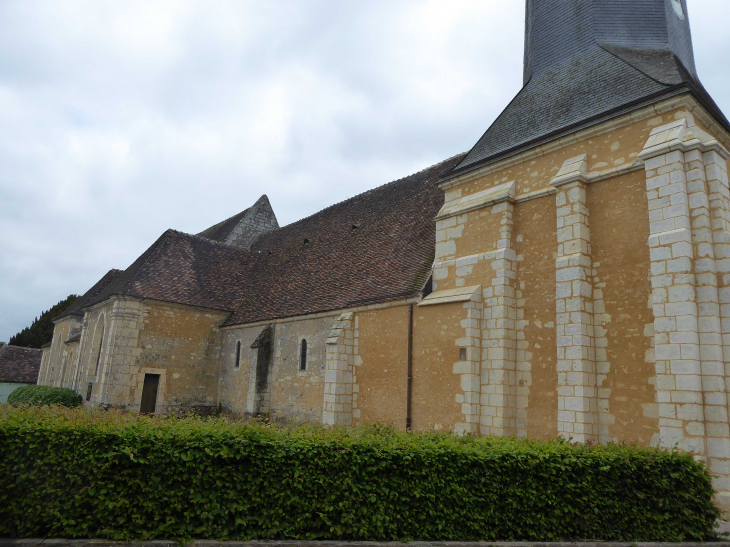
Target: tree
{"x":40,"y":332}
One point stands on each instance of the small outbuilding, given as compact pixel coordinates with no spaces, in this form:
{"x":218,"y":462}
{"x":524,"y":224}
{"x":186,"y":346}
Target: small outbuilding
{"x":18,"y":367}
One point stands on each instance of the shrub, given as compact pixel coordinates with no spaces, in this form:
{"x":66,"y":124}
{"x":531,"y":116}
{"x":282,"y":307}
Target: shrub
{"x":44,"y":395}
{"x":84,"y":474}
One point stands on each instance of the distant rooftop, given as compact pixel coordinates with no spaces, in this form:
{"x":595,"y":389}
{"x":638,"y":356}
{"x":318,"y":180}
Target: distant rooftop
{"x":19,"y":365}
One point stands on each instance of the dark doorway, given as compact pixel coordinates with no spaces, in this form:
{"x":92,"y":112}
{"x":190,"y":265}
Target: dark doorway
{"x":149,"y":394}
{"x":264,"y":347}
{"x":263,"y":362}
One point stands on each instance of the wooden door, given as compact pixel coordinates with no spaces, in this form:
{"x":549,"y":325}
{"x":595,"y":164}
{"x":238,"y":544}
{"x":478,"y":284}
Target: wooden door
{"x":149,"y":394}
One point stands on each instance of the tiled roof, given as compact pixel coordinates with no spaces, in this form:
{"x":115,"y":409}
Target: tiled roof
{"x":19,"y":365}
{"x":219,"y":232}
{"x":77,"y":307}
{"x":185,"y":269}
{"x":374,"y":247}
{"x":590,"y":61}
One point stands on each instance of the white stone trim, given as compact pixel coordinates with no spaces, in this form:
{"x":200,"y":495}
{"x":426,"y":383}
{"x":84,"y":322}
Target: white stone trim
{"x":683,"y":101}
{"x":574,"y":329}
{"x":545,"y":192}
{"x":687,"y":190}
{"x":161,"y":388}
{"x":461,"y":294}
{"x":320,"y":315}
{"x":339,"y":376}
{"x":498,"y":376}
{"x":477,"y":200}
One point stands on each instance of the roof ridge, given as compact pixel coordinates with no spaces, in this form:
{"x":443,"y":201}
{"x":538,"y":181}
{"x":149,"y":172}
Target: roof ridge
{"x":24,"y":348}
{"x":239,"y":213}
{"x":156,"y":245}
{"x":211,"y":241}
{"x":434,"y":166}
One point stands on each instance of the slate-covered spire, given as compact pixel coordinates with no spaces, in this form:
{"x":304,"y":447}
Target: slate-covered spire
{"x":241,"y":230}
{"x":557,"y":30}
{"x":590,"y":60}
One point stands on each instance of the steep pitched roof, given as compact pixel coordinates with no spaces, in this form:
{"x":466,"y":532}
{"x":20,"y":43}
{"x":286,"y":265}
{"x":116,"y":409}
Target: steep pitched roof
{"x":19,"y":365}
{"x":374,"y":247}
{"x":242,"y":229}
{"x":77,"y":307}
{"x":219,"y":232}
{"x":184,"y":269}
{"x":587,"y":61}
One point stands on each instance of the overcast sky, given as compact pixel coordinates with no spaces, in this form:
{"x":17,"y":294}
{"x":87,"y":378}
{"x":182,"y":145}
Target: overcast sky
{"x":119,"y":120}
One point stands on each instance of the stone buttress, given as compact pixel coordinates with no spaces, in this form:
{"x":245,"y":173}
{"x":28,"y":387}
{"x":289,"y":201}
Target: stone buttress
{"x":687,"y":191}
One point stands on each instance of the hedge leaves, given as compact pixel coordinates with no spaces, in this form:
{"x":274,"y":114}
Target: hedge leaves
{"x":87,"y":474}
{"x":44,"y":395}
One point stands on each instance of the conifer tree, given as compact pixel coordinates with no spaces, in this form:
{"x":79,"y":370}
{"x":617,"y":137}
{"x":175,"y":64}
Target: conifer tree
{"x":41,"y":330}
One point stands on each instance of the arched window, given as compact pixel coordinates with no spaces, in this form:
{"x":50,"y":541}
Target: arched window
{"x":98,"y":342}
{"x":237,"y":363}
{"x":303,"y":355}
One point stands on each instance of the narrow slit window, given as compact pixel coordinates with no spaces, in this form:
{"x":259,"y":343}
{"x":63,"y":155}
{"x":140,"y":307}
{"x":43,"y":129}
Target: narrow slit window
{"x":98,"y":354}
{"x":88,"y":391}
{"x":462,"y":354}
{"x":238,"y":355}
{"x":303,"y":356}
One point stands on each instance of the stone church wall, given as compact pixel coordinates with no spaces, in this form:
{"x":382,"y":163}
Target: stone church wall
{"x":534,"y":244}
{"x":381,"y":366}
{"x":182,"y":344}
{"x":290,"y":394}
{"x":580,"y":290}
{"x":623,"y":320}
{"x":57,"y":369}
{"x":94,"y":347}
{"x":442,"y":383}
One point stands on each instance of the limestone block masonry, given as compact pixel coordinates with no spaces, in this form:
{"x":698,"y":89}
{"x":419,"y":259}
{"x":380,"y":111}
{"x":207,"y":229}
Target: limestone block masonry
{"x":118,"y":367}
{"x":499,"y":342}
{"x":685,"y":174}
{"x":339,"y":376}
{"x":259,"y":219}
{"x":576,"y":365}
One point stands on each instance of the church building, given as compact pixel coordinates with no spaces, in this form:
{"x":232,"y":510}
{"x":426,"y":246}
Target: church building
{"x":568,"y":276}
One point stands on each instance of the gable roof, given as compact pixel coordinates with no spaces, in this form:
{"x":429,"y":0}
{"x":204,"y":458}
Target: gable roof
{"x":219,"y":232}
{"x":587,"y":61}
{"x":374,"y":247}
{"x":77,"y":307}
{"x":242,"y":229}
{"x":19,"y":365}
{"x":184,"y":269}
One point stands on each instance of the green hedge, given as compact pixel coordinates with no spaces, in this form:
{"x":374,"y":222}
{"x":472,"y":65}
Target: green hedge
{"x":84,"y":474}
{"x":44,"y":395}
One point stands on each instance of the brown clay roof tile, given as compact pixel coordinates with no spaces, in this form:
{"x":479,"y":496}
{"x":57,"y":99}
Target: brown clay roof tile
{"x":375,"y":247}
{"x":19,"y":365}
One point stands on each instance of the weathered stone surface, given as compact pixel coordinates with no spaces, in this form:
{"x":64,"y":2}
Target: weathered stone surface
{"x":305,"y":543}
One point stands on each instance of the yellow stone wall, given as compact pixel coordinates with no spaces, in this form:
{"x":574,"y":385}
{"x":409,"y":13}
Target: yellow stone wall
{"x":580,"y":290}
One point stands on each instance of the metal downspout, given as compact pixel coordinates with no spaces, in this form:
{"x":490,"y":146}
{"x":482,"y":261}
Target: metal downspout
{"x":409,"y":417}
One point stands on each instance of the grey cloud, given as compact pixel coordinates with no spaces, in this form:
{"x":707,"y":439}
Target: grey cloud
{"x":119,"y":120}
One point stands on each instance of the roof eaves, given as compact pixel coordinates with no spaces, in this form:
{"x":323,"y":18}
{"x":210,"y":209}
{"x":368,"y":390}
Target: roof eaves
{"x":604,"y":116}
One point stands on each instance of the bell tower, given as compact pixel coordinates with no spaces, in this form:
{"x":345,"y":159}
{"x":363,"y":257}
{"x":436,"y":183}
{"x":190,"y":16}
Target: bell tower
{"x":559,"y":30}
{"x":587,"y":61}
